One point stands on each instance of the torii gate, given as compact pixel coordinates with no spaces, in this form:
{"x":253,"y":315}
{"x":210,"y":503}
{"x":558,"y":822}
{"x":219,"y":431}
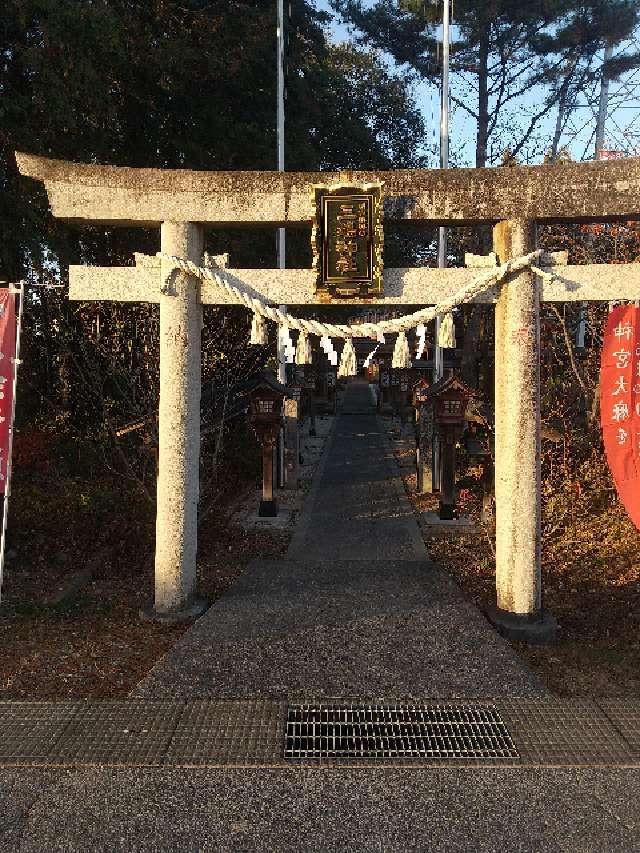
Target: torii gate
{"x":181,"y":203}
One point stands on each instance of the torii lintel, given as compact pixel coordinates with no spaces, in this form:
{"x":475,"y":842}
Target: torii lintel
{"x":417,"y":286}
{"x":591,"y":191}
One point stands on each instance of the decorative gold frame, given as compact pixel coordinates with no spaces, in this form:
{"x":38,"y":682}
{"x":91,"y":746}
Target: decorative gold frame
{"x":363,"y":288}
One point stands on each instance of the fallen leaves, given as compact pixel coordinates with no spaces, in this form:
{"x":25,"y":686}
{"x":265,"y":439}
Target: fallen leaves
{"x":93,"y":645}
{"x":591,"y":584}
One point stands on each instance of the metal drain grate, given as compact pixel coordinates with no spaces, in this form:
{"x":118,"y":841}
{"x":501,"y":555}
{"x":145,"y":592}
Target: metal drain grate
{"x":396,"y":731}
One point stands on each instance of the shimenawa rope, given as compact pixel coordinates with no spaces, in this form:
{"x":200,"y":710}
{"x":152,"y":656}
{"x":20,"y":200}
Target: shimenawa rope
{"x":401,"y":358}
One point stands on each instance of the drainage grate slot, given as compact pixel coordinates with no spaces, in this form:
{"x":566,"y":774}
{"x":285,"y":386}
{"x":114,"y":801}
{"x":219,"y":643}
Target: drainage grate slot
{"x":396,"y":731}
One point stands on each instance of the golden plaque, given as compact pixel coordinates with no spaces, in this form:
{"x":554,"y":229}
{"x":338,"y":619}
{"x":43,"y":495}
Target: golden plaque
{"x":347,"y":240}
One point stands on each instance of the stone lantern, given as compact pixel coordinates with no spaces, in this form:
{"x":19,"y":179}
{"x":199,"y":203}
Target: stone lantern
{"x":448,"y":397}
{"x":404,"y":398}
{"x":292,"y":414}
{"x":384,"y":383}
{"x":394,"y":379}
{"x":310,"y":391}
{"x":332,"y":375}
{"x":295,"y":392}
{"x":419,"y":393}
{"x":265,"y":415}
{"x":424,"y":435}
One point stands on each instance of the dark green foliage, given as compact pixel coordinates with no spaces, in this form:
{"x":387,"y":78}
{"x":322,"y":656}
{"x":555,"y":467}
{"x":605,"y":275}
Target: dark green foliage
{"x":162,"y":84}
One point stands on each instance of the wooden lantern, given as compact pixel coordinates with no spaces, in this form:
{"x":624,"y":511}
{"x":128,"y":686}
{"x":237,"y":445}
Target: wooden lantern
{"x":266,"y":401}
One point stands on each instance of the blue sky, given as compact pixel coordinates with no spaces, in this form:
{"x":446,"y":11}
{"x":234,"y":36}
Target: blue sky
{"x":622,"y":131}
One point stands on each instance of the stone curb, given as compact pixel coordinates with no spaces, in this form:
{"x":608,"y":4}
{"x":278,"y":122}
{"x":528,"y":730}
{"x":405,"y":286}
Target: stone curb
{"x":401,"y":492}
{"x":302,"y":524}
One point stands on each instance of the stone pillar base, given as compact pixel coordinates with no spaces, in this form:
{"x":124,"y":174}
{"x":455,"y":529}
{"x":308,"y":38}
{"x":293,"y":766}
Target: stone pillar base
{"x":174,"y":617}
{"x":447,"y":512}
{"x":268,"y":509}
{"x":423,"y":480}
{"x":535,"y":629}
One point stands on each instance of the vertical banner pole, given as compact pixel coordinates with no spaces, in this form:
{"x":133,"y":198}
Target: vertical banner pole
{"x":16,"y":361}
{"x":438,"y":363}
{"x":280,"y":244}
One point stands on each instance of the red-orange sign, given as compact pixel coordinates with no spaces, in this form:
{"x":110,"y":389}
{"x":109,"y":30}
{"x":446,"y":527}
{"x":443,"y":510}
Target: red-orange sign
{"x":620,"y":404}
{"x":7,"y":371}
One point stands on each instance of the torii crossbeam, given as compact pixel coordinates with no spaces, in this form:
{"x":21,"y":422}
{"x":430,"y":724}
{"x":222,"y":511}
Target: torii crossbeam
{"x":182,"y":203}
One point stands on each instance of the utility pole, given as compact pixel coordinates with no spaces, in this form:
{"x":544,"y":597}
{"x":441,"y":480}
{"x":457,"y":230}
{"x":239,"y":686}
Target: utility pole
{"x":601,"y":121}
{"x":603,"y":103}
{"x":280,"y":238}
{"x":438,"y":362}
{"x":444,"y":164}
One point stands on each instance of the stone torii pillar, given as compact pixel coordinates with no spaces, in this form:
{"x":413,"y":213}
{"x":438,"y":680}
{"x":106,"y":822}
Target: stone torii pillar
{"x":178,"y":431}
{"x":518,"y":612}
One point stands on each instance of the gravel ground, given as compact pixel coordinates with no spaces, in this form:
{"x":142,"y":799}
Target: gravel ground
{"x":341,"y":628}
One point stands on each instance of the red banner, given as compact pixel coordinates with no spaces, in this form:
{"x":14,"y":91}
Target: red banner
{"x":620,"y":404}
{"x":7,"y":372}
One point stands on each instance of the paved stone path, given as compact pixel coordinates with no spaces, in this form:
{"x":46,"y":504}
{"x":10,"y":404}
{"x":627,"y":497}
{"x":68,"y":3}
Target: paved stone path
{"x":358,"y":509}
{"x":355,"y":609}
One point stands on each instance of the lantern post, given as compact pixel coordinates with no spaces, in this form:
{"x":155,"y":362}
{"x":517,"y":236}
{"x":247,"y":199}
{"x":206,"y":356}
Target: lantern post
{"x":449,"y":397}
{"x":424,"y":436}
{"x":266,"y":404}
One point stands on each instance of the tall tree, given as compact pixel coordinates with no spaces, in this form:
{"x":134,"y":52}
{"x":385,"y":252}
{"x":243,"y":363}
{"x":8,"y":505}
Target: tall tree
{"x":165,"y":84}
{"x":504,"y":50}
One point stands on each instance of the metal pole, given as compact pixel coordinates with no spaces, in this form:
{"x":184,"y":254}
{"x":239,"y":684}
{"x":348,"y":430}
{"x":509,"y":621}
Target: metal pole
{"x":280,"y":242}
{"x":280,"y":238}
{"x":603,"y":104}
{"x":7,"y":490}
{"x":444,"y":161}
{"x":438,"y":366}
{"x":601,"y":120}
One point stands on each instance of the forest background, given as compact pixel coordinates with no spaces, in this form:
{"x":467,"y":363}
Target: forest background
{"x":192,"y":84}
